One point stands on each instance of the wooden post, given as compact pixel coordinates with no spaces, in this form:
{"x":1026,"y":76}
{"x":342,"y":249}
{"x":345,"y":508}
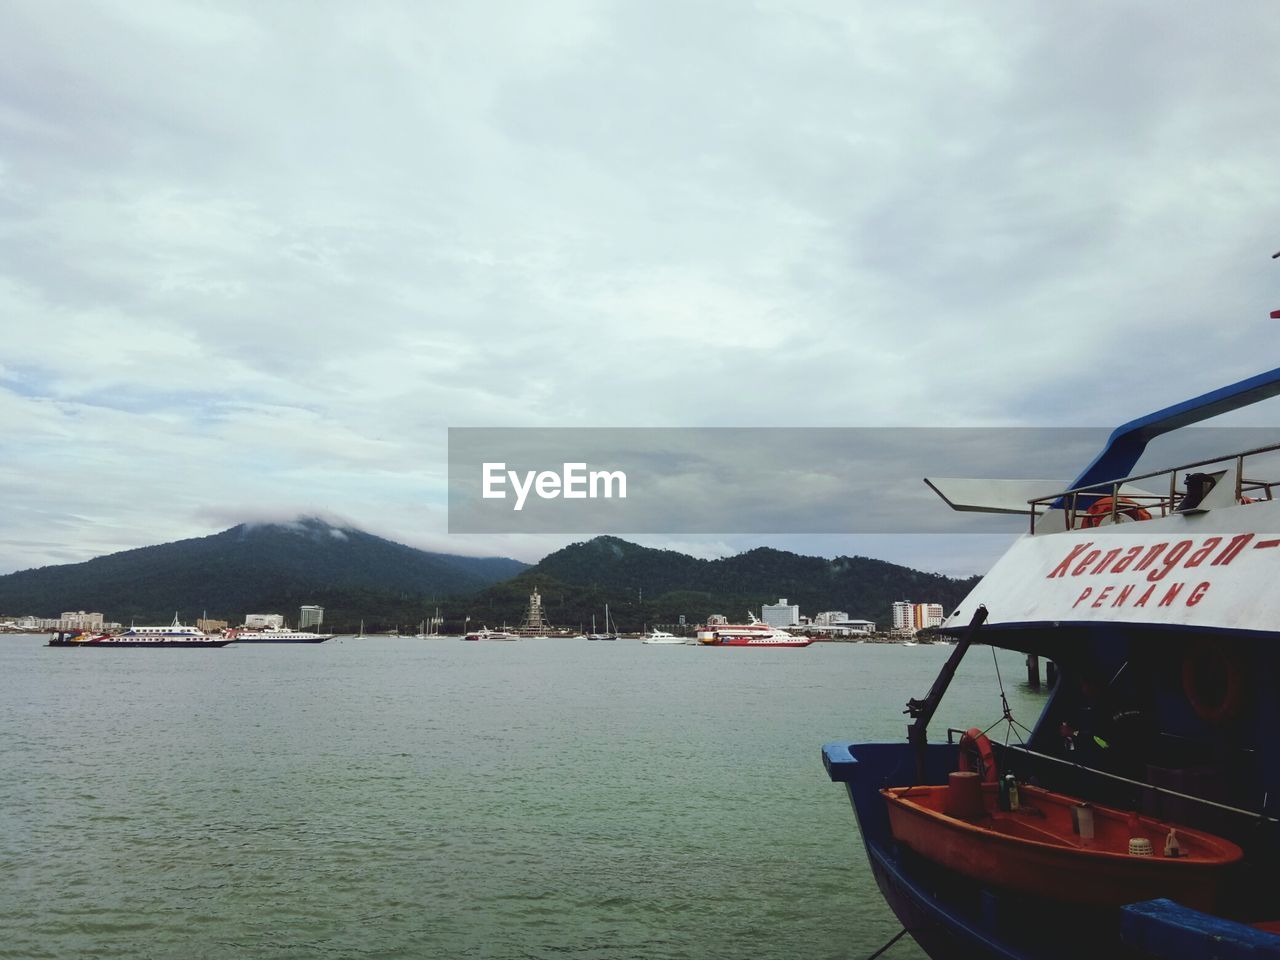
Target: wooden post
{"x":1033,"y":671}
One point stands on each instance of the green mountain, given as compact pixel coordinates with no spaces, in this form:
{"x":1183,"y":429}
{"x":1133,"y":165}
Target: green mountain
{"x":643,"y":585}
{"x":266,"y":567}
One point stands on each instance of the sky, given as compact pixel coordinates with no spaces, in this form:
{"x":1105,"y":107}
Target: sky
{"x":256,"y":259}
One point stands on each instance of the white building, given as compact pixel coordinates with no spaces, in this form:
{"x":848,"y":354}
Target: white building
{"x":903,"y":617}
{"x":79,"y":620}
{"x":927,"y":615}
{"x":855,"y":626}
{"x":259,"y":621}
{"x":312,"y":616}
{"x":781,"y":614}
{"x":829,"y":617}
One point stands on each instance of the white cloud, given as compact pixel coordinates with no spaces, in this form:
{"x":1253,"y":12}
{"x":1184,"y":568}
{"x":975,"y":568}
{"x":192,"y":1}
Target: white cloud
{"x":264,"y":255}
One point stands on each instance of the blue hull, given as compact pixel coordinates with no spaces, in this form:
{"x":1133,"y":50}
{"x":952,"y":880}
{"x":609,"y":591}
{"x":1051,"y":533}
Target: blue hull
{"x":954,"y":919}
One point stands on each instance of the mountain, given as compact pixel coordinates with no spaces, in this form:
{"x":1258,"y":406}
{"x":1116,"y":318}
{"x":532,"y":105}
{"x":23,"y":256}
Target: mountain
{"x":261,"y":567}
{"x":644,"y":585}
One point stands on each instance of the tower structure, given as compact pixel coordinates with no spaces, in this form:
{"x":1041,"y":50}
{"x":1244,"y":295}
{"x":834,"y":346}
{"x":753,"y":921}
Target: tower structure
{"x":535,"y":623}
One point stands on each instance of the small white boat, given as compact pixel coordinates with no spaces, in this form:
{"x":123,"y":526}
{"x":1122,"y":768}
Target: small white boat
{"x":662,"y":636}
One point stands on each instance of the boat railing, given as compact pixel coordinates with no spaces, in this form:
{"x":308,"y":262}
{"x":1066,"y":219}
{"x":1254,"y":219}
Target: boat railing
{"x":1144,"y":787}
{"x":1114,"y":501}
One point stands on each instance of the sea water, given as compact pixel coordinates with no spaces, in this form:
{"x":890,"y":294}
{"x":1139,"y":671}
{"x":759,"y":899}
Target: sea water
{"x":436,"y":798}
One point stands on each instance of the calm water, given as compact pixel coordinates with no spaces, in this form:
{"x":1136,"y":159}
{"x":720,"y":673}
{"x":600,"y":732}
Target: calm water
{"x":413,"y":798}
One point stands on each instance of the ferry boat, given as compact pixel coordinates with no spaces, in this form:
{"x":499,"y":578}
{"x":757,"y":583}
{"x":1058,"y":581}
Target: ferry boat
{"x":661,"y":636}
{"x":718,"y":632}
{"x":174,"y":635}
{"x":277,"y":635}
{"x":1154,"y":596}
{"x":484,"y":633}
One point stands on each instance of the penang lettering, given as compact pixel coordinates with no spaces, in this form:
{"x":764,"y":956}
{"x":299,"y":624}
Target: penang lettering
{"x":1153,"y":562}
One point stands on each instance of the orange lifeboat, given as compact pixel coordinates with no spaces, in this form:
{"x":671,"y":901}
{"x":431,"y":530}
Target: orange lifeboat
{"x":1037,"y":850}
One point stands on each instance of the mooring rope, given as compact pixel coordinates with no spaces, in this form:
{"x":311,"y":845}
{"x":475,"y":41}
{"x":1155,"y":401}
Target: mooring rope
{"x":894,"y":939}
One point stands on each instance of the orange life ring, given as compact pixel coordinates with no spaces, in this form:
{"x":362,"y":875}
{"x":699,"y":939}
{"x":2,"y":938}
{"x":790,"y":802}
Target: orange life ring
{"x":1100,"y":510}
{"x":1214,"y":681}
{"x":975,"y":750}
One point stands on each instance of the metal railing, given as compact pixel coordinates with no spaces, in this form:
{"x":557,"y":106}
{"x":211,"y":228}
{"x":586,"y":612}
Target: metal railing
{"x":1081,"y":503}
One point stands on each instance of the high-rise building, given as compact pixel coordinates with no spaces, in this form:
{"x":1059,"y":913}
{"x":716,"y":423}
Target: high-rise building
{"x":927,"y":615}
{"x":79,"y":620}
{"x":781,"y":614}
{"x":312,"y":616}
{"x":903,"y":616}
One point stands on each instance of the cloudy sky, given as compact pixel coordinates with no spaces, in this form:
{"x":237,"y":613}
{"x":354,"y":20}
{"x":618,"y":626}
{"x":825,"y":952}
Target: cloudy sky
{"x":256,"y":258}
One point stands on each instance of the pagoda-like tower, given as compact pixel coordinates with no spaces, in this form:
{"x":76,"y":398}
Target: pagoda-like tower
{"x":535,"y":621}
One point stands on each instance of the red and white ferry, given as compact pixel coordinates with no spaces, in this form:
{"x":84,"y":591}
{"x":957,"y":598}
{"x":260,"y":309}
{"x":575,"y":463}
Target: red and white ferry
{"x":719,"y":632}
{"x":175,"y":635}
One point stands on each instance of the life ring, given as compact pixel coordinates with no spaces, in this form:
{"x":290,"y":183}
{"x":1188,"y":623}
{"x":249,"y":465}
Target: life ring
{"x":1214,"y":681}
{"x":1099,"y":512}
{"x":975,"y":751}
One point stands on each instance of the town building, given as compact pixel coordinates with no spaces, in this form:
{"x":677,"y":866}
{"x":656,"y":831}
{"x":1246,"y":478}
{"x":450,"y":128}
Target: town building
{"x":910,"y":617}
{"x":829,"y":617}
{"x":312,"y":616}
{"x":855,"y":626}
{"x":264,"y":621}
{"x":78,"y":620}
{"x":927,"y":615}
{"x":781,"y":614}
{"x":845,"y":627}
{"x":903,"y":617}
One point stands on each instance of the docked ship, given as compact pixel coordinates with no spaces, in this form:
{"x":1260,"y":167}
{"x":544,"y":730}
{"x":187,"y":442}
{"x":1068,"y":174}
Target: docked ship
{"x":272,"y":634}
{"x":1146,"y":826}
{"x":484,"y":633}
{"x":718,"y":632}
{"x":661,"y":637}
{"x":175,"y":634}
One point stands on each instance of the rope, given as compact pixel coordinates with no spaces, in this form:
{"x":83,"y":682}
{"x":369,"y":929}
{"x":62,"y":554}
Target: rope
{"x":894,"y":939}
{"x":1006,"y":713}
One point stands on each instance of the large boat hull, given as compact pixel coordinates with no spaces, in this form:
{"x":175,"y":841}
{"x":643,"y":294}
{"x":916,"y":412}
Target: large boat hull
{"x":281,"y":640}
{"x":953,"y":917}
{"x":107,"y":644}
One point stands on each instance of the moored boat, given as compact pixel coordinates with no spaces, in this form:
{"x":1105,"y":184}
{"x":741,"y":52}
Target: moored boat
{"x":718,"y":632}
{"x":484,"y":633}
{"x":277,"y":635}
{"x":175,"y":634}
{"x":610,"y":631}
{"x":1039,"y":848}
{"x":1153,"y":594}
{"x":661,"y":636}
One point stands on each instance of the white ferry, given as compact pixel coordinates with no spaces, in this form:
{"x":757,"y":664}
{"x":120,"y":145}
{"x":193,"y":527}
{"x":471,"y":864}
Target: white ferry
{"x":277,"y":635}
{"x":484,"y":633}
{"x":175,"y":635}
